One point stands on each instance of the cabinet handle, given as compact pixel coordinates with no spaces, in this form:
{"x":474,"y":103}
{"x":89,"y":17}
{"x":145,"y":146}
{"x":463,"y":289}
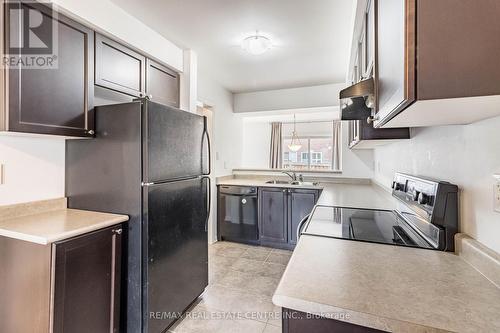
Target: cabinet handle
{"x":90,"y":132}
{"x":284,"y":191}
{"x":371,"y":119}
{"x":117,"y":231}
{"x":143,"y":94}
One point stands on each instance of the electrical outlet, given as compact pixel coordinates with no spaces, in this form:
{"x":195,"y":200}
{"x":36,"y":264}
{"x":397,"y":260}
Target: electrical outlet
{"x":497,"y":194}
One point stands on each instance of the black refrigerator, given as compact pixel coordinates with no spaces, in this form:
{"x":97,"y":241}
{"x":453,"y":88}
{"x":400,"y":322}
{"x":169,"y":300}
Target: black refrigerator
{"x":151,"y":162}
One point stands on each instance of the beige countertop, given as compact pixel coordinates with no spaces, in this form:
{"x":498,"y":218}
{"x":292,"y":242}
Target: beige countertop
{"x":344,"y":192}
{"x":390,"y":288}
{"x":50,"y":221}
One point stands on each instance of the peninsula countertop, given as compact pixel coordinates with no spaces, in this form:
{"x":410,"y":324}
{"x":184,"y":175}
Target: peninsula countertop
{"x":391,"y":288}
{"x":50,"y":221}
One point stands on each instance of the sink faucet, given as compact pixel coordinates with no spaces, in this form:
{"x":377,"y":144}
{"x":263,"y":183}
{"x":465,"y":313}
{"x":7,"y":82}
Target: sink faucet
{"x":290,"y":174}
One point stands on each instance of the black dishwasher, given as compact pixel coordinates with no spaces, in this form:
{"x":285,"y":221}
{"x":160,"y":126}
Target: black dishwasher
{"x":237,"y":214}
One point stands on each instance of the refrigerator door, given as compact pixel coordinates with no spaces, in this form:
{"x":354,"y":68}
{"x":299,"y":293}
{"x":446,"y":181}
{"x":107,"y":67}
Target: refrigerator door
{"x":175,"y":144}
{"x":176,"y":264}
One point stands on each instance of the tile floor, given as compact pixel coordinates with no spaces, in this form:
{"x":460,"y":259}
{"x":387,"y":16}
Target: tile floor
{"x":242,"y":280}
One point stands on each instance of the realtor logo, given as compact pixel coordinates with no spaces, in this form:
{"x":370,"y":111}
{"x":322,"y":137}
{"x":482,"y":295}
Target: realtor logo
{"x":31,"y":35}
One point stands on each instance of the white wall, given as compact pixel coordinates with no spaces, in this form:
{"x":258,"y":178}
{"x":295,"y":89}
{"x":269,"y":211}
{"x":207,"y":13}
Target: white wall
{"x":255,"y":144}
{"x":228,"y":126}
{"x":465,"y":155}
{"x":285,"y":99}
{"x":255,"y":151}
{"x":34,"y":169}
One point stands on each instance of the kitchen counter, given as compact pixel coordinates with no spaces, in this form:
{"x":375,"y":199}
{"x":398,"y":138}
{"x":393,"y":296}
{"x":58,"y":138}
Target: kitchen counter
{"x":49,"y":221}
{"x":344,"y":192}
{"x":387,"y":287}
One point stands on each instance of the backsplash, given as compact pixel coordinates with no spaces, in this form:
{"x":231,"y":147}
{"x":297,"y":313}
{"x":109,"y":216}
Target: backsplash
{"x":33,"y":169}
{"x":465,"y":155}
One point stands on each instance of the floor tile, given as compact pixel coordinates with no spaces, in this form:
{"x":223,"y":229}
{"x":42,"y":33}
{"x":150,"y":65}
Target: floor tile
{"x":282,"y":251}
{"x":256,"y":253}
{"x":230,"y":251}
{"x":272,"y":270}
{"x":275,"y":317}
{"x":278,"y":258}
{"x":242,"y":280}
{"x":236,"y":301}
{"x":272,"y":329}
{"x":248,"y":266}
{"x":263,"y":285}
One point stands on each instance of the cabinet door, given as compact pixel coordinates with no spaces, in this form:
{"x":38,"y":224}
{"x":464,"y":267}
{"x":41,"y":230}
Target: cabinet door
{"x":273,"y":213}
{"x":300,"y":204}
{"x":395,"y":56}
{"x":162,"y":84}
{"x":87,"y":282}
{"x":118,"y":67}
{"x":56,"y":100}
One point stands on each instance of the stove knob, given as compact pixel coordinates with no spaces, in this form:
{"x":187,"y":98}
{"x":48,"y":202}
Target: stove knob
{"x":415,"y":195}
{"x":399,"y":187}
{"x":423,"y":199}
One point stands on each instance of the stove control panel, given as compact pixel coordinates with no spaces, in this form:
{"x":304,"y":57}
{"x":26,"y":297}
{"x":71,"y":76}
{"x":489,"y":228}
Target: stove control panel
{"x":430,"y":201}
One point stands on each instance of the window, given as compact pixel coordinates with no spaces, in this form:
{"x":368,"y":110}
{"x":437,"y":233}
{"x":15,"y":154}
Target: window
{"x":316,"y":157}
{"x":316,"y":152}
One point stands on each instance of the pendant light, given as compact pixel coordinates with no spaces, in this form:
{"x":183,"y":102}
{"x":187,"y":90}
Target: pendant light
{"x":295,"y":144}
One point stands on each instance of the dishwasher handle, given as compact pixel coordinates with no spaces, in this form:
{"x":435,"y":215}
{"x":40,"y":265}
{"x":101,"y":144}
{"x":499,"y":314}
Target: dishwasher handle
{"x":301,"y":225}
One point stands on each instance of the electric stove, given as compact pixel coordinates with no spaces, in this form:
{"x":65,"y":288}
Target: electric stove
{"x":426,"y":217}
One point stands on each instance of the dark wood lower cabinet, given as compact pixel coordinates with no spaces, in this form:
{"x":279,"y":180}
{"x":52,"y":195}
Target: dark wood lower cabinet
{"x":301,"y":322}
{"x":300,"y":204}
{"x":272,"y":216}
{"x":87,"y":282}
{"x":280,"y":212}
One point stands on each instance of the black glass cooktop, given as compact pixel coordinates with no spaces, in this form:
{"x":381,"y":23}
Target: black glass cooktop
{"x":378,"y":226}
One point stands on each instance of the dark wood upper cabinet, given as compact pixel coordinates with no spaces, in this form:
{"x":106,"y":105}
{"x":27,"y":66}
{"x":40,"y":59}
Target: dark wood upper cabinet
{"x":119,"y":68}
{"x":436,"y":63}
{"x":87,"y":282}
{"x":300,"y":204}
{"x":56,"y":100}
{"x":362,"y":135}
{"x":162,"y":84}
{"x":273,"y":215}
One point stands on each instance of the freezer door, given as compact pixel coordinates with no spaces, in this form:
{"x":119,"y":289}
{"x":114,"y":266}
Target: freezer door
{"x":175,"y":225}
{"x":175,"y":143}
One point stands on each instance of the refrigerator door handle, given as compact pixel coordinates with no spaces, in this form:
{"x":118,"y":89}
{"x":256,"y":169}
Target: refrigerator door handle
{"x":209,"y":196}
{"x":206,"y":135}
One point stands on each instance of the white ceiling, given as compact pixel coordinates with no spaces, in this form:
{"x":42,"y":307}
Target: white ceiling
{"x":311,"y":38}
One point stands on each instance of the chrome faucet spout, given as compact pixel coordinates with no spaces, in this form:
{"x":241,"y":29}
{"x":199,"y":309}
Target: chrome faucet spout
{"x":291,"y":174}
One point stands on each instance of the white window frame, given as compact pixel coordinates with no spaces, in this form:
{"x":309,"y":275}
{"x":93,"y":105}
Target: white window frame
{"x":316,"y":160}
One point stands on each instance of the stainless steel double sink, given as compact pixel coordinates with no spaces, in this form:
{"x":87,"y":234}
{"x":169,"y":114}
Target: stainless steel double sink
{"x":292,"y":182}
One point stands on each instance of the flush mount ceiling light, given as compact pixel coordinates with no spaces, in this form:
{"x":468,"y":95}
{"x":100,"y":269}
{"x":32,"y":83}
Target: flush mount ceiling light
{"x":256,"y":44}
{"x":295,"y":144}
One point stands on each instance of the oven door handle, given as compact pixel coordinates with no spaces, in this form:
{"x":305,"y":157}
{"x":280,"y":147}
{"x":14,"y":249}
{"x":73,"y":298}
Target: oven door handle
{"x":301,"y":225}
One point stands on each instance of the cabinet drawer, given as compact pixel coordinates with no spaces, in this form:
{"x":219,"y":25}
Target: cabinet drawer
{"x":118,"y":67}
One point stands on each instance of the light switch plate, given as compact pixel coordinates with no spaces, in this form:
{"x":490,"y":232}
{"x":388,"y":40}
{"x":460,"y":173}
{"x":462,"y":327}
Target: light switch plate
{"x":497,"y":193}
